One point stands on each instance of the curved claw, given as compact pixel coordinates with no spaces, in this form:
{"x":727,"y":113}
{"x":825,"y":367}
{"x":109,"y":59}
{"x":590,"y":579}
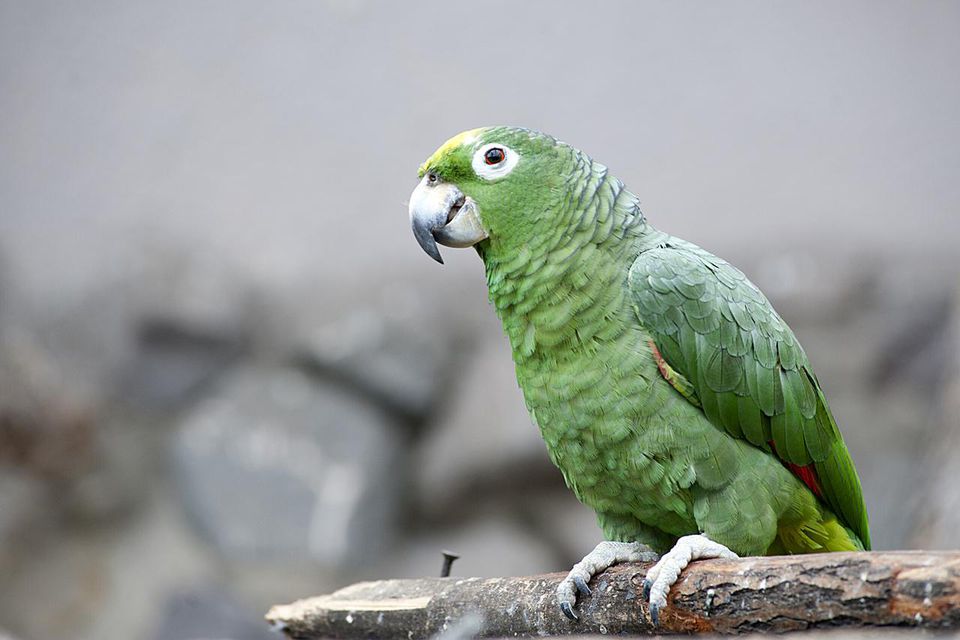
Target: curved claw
{"x":582,"y":586}
{"x":655,"y":614}
{"x":604,"y":555}
{"x":662,"y":576}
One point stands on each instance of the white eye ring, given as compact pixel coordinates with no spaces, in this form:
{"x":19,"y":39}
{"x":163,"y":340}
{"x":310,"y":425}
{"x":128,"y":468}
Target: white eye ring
{"x":498,"y":170}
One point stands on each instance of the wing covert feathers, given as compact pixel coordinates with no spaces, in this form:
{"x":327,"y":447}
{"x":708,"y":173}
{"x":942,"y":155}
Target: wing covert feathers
{"x":732,"y":355}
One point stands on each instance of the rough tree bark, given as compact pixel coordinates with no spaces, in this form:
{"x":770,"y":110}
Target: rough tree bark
{"x":905,"y":589}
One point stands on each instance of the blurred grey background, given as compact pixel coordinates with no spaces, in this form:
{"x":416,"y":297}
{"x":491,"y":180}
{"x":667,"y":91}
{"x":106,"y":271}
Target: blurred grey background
{"x":230,"y":378}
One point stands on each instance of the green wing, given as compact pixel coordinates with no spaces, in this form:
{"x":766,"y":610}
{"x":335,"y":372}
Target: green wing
{"x":745,"y":367}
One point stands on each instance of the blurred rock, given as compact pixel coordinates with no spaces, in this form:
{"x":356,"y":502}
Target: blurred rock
{"x":66,"y":572}
{"x":394,"y":354}
{"x":123,"y":465}
{"x":193,"y":317}
{"x":274,"y":464}
{"x":209,"y":612}
{"x":485,"y":439}
{"x":75,"y":344}
{"x":22,"y":502}
{"x":199,"y":294}
{"x":98,"y":578}
{"x":46,"y":430}
{"x":173,"y":363}
{"x":89,"y":460}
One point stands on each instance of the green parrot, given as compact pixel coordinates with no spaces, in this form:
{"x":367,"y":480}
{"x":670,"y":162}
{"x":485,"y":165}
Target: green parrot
{"x":673,"y":398}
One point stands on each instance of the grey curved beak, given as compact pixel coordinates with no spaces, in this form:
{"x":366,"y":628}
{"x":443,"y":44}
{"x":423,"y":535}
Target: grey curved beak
{"x":441,"y":213}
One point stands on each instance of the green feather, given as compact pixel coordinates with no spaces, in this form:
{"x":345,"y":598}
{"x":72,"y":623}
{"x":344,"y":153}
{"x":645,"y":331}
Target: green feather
{"x":729,"y":408}
{"x":723,"y":371}
{"x":751,"y":424}
{"x":764,"y":350}
{"x":787,"y":354}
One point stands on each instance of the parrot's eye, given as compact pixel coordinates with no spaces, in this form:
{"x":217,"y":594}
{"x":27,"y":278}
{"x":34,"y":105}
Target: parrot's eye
{"x":493,"y":161}
{"x":494,"y":156}
{"x":432,"y":178}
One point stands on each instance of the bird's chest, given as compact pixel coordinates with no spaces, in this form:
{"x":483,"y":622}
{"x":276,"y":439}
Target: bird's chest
{"x":586,"y":371}
{"x":608,"y":425}
{"x":591,"y":400}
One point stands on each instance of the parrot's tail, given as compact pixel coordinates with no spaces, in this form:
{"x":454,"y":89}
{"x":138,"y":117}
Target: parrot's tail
{"x":815,"y":536}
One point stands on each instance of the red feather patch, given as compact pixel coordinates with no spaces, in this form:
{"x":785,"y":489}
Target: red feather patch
{"x":807,"y":474}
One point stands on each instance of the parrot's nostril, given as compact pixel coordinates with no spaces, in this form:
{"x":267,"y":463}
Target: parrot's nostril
{"x":455,"y":208}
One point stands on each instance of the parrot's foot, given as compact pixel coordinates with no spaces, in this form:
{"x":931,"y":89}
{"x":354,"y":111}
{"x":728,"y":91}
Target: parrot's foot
{"x":663,"y":574}
{"x":603,"y":556}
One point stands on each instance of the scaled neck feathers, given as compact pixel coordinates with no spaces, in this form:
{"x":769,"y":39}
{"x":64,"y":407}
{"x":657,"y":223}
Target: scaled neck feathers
{"x":575,"y":270}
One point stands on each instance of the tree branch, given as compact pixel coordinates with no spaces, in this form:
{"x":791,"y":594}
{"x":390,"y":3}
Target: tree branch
{"x":784,"y":593}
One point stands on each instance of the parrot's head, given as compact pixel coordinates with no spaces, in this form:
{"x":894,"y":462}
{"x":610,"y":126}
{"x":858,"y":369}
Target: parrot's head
{"x":487,"y":186}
